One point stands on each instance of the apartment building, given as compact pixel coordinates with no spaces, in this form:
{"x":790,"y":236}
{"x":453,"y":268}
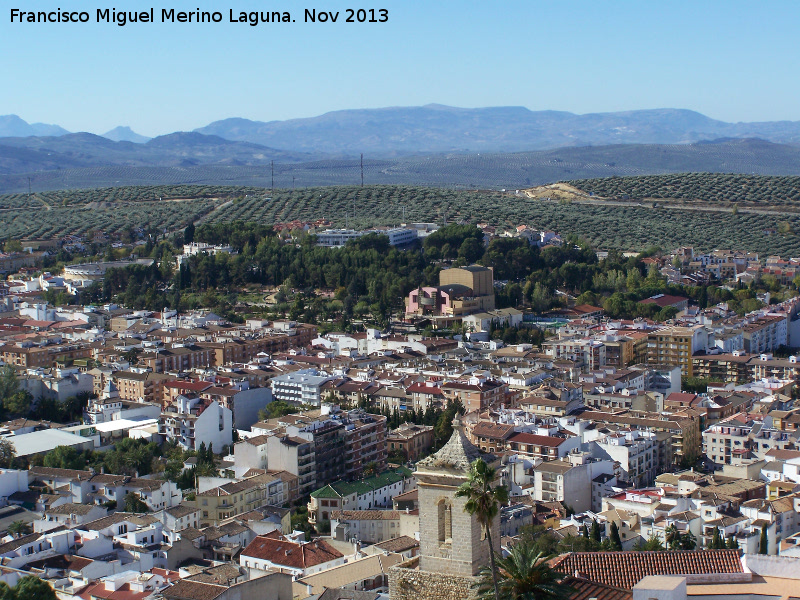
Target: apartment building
{"x":412,"y":440}
{"x":364,"y":443}
{"x":30,"y":356}
{"x":367,"y":494}
{"x":544,"y":447}
{"x":685,"y":440}
{"x":476,"y":394}
{"x":239,"y":497}
{"x":765,"y":333}
{"x":569,"y":480}
{"x":744,"y":435}
{"x":490,"y":437}
{"x":675,"y":346}
{"x":141,"y":386}
{"x":190,"y":421}
{"x":636,"y":452}
{"x":300,"y":387}
{"x":178,"y":357}
{"x":724,"y":368}
{"x":590,"y":354}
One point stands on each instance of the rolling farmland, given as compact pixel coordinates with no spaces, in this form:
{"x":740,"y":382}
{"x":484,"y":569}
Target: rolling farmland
{"x":623,"y":227}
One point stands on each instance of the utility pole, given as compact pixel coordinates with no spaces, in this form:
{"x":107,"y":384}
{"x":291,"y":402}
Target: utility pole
{"x":292,"y":181}
{"x":362,"y":169}
{"x":272,"y":165}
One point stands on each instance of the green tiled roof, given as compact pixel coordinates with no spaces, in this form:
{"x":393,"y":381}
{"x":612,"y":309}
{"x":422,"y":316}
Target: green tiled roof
{"x":338,"y":489}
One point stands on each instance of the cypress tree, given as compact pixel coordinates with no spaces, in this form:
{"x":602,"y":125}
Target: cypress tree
{"x":596,"y":532}
{"x":716,"y":540}
{"x":616,"y":541}
{"x":764,"y":545}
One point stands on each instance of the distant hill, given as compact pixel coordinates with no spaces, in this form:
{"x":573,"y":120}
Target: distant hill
{"x":125,"y":134}
{"x":433,"y":129}
{"x":13,"y":126}
{"x":85,"y":161}
{"x":86,"y":150}
{"x":387,"y":132}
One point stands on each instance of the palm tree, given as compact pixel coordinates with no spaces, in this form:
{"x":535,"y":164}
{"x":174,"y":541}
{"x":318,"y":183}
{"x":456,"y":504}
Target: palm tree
{"x":672,"y":537}
{"x":19,"y":528}
{"x":484,"y":501}
{"x":524,"y":575}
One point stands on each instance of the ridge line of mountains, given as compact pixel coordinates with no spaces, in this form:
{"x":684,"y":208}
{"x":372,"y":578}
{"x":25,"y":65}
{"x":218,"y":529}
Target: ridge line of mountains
{"x":426,"y":145}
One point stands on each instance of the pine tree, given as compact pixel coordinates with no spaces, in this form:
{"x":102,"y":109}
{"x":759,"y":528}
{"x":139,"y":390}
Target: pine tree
{"x":585,"y":531}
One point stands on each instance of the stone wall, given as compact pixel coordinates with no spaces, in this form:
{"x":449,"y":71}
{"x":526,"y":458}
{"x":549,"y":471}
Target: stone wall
{"x":406,"y":582}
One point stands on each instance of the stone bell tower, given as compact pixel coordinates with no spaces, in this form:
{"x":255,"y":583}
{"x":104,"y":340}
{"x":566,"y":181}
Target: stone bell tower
{"x":453,"y":546}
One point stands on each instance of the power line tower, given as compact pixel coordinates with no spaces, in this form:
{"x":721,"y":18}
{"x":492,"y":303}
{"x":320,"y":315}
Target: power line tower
{"x":362,"y":169}
{"x":272,"y":166}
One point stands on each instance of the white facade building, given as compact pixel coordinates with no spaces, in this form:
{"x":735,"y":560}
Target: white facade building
{"x":300,"y":387}
{"x":192,"y":421}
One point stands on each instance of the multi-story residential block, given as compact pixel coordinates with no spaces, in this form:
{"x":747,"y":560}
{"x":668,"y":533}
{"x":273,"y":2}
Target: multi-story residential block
{"x":675,"y":346}
{"x":589,"y":353}
{"x":743,"y":435}
{"x":141,"y":387}
{"x":243,"y":401}
{"x":725,"y":368}
{"x":765,"y":366}
{"x":373,"y":526}
{"x":238,"y":497}
{"x":56,"y":384}
{"x":29,"y":356}
{"x":685,"y":440}
{"x":177,"y":357}
{"x":279,"y":451}
{"x":412,"y":440}
{"x":765,"y":332}
{"x":366,"y":494}
{"x":192,"y":421}
{"x":300,"y":387}
{"x":544,"y":447}
{"x":490,"y":437}
{"x":568,"y":481}
{"x":476,"y":394}
{"x":364,"y":443}
{"x":636,"y":452}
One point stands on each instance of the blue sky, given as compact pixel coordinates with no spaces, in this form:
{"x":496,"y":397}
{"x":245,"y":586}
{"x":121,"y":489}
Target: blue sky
{"x":734,"y":61}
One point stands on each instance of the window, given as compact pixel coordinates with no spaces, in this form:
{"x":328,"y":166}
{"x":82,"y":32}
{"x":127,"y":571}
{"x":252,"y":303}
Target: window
{"x":445,"y":517}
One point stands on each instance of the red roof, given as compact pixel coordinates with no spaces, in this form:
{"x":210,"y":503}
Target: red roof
{"x":194,"y":386}
{"x":625,"y":569}
{"x":536,"y":440}
{"x":681,"y":398}
{"x":664,"y":300}
{"x":418,"y":388}
{"x":291,"y":554}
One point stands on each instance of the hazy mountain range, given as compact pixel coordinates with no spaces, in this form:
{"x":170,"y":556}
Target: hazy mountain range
{"x":429,"y":145}
{"x":196,"y":164}
{"x":384,"y":132}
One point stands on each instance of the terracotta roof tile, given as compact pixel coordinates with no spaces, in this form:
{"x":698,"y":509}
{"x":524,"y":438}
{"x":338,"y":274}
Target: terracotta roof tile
{"x":626,"y":569}
{"x":291,"y":554}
